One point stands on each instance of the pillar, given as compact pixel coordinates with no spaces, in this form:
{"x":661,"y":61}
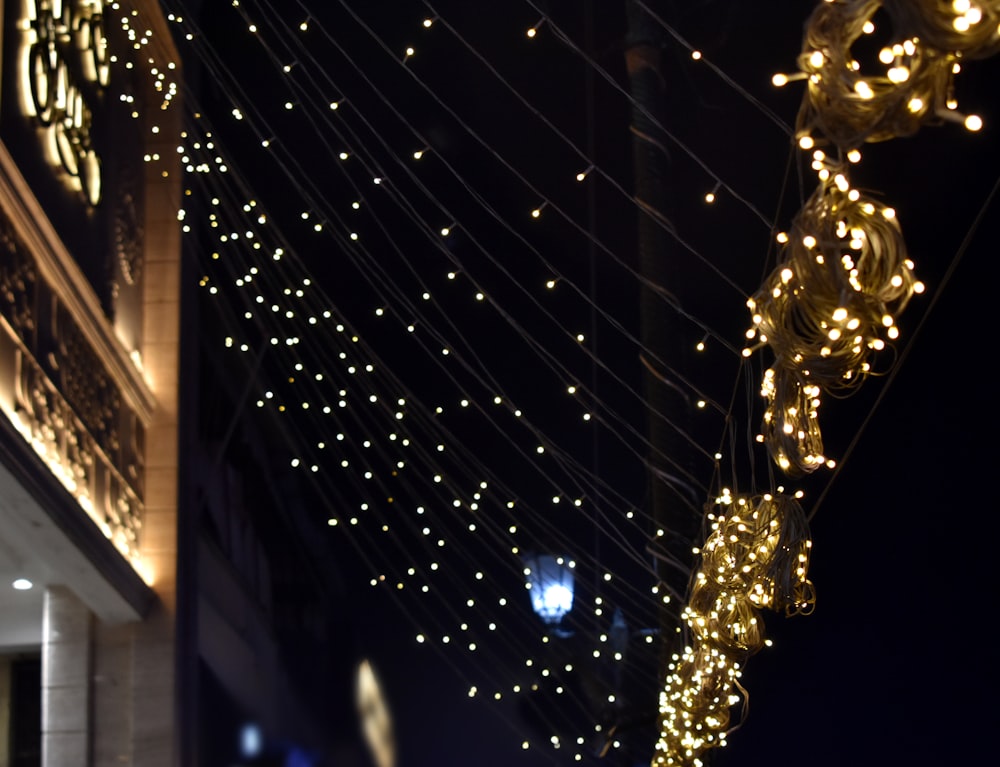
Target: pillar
{"x":66,"y":680}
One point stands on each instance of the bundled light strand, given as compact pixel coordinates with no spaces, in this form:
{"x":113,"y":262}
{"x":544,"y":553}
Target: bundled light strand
{"x":756,"y":557}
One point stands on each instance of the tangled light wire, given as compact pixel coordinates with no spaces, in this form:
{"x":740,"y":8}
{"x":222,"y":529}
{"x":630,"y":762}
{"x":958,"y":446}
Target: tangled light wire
{"x":844,"y":276}
{"x":825,"y":311}
{"x":827,"y":308}
{"x":756,"y":557}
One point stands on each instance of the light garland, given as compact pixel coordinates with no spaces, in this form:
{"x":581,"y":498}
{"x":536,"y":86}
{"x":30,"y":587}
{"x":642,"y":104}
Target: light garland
{"x":791,"y":424}
{"x":704,"y":680}
{"x":848,"y":107}
{"x":831,"y":303}
{"x":826,"y":309}
{"x":832,"y":300}
{"x":756,"y":557}
{"x":968,"y":28}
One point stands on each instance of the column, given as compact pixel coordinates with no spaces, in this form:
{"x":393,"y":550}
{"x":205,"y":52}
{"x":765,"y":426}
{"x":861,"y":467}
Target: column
{"x":112,"y":695}
{"x":66,"y":677}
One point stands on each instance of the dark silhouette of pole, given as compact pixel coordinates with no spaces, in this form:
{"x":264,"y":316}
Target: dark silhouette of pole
{"x":670,"y":499}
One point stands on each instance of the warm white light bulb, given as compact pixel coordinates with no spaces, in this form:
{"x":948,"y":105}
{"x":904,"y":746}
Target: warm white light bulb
{"x":974,"y":123}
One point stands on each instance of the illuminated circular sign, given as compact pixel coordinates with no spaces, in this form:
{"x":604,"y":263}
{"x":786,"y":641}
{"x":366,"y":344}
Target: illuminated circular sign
{"x":65,"y":43}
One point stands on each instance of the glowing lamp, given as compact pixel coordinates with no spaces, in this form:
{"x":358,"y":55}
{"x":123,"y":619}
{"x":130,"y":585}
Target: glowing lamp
{"x":251,"y":741}
{"x":550,"y":581}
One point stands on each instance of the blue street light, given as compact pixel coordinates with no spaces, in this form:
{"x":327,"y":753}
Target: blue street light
{"x":550,"y":581}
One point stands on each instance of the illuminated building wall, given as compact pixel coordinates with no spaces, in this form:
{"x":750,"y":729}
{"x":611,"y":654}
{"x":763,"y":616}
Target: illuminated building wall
{"x":138,"y":565}
{"x":89,"y":384}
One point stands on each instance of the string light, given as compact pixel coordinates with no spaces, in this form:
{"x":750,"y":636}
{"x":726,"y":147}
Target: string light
{"x":970,"y":29}
{"x":355,"y":522}
{"x":791,"y":423}
{"x":826,"y":310}
{"x":756,"y":557}
{"x":432,"y":228}
{"x":849,"y":107}
{"x":844,"y":270}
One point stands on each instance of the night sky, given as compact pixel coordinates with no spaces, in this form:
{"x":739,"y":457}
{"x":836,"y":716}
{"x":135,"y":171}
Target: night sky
{"x":894,"y":665}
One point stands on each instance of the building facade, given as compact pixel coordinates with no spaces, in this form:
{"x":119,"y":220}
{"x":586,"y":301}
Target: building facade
{"x":142,"y":620}
{"x":89,"y":356}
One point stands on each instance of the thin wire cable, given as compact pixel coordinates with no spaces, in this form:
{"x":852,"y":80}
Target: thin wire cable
{"x":665,"y":225}
{"x":374,"y":545}
{"x":672,"y":300}
{"x":687,"y":246}
{"x":561,"y":35}
{"x":769,"y":113}
{"x":905,"y":353}
{"x":230,"y":174}
{"x":528,"y":337}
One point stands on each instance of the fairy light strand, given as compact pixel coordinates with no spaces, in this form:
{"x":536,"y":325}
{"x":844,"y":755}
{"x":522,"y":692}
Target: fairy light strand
{"x":611,"y":372}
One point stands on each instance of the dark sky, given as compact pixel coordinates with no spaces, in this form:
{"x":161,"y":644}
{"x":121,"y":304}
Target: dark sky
{"x":890,"y":666}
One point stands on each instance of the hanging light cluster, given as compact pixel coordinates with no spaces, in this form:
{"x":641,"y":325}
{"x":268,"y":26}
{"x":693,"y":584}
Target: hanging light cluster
{"x":830,"y":305}
{"x":756,"y":557}
{"x":846,"y":106}
{"x":963,"y":28}
{"x":826,"y":311}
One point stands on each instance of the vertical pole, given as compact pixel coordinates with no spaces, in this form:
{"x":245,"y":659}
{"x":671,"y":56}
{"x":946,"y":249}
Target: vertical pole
{"x":659,"y":332}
